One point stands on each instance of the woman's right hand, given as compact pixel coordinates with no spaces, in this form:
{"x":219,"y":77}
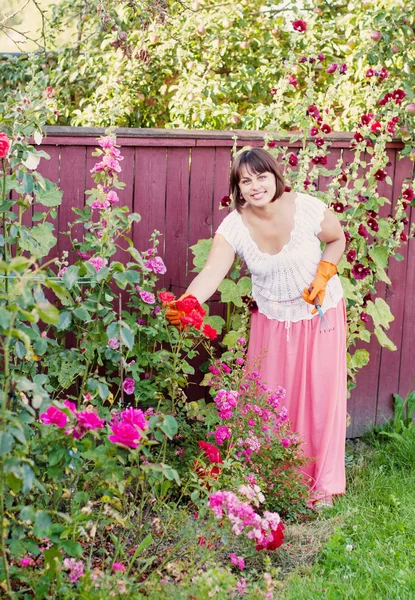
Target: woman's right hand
{"x":173,"y":314}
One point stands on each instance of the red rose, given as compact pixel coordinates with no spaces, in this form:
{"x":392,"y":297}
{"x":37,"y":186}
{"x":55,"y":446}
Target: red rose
{"x":187,"y":304}
{"x":209,"y":332}
{"x":277,"y":539}
{"x":5,"y":144}
{"x":166,"y":297}
{"x":194,"y":318}
{"x":210,"y":452}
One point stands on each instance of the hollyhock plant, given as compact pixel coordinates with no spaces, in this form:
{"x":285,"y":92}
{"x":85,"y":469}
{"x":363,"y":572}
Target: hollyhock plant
{"x":299,"y":25}
{"x":147,"y":297}
{"x":157,"y":265}
{"x":332,"y":68}
{"x":359,"y":271}
{"x":351,"y":255}
{"x":128,"y":385}
{"x":293,"y":160}
{"x":363,"y":231}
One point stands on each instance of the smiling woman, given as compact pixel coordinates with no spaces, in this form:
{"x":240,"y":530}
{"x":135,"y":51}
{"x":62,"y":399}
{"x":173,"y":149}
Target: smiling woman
{"x":278,"y":234}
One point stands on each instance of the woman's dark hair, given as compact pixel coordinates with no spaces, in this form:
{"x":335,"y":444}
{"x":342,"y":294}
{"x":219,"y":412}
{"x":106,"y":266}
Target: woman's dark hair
{"x":256,"y":160}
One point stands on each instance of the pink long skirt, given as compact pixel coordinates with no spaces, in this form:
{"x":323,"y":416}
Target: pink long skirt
{"x":311,"y":366}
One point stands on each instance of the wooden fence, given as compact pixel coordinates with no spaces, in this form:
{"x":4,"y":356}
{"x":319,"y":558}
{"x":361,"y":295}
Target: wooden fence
{"x":175,"y":179}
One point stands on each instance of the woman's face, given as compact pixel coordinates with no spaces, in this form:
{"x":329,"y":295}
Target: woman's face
{"x":257,"y":189}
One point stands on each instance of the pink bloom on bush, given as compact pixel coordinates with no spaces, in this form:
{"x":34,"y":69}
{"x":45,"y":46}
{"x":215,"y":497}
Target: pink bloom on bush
{"x":398,"y":95}
{"x":380,"y":175}
{"x":76,"y":569}
{"x":128,"y":385}
{"x":70,"y":405}
{"x":82,"y":254}
{"x":135,"y":417}
{"x":332,"y":68}
{"x":293,"y":160}
{"x":54,"y":416}
{"x":166,"y":297}
{"x":26,"y":561}
{"x":5,"y":144}
{"x":237,"y":561}
{"x":241,"y":586}
{"x":147,"y":297}
{"x":113,"y":343}
{"x":338,"y":207}
{"x":106,"y":142}
{"x":292,"y":80}
{"x":118,"y":567}
{"x":299,"y":25}
{"x":319,"y":160}
{"x":100,"y":205}
{"x":88,"y":420}
{"x":363,"y":231}
{"x":313,"y":111}
{"x":351,"y":256}
{"x":286,"y":442}
{"x":364,"y":317}
{"x":97,"y":262}
{"x":125,"y":434}
{"x":226,"y":201}
{"x":222,"y":433}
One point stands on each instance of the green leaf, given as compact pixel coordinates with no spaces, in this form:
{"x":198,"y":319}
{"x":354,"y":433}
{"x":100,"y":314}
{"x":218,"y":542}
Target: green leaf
{"x":65,"y":321}
{"x":28,"y":478}
{"x":127,"y":337}
{"x":6,"y":443}
{"x":103,"y":390}
{"x":231,"y":338}
{"x":200,"y":254}
{"x":52,"y":557}
{"x":50,"y":196}
{"x":43,"y":524}
{"x":48,"y":313}
{"x":383,"y":339}
{"x":399,"y":257}
{"x":169,"y":426}
{"x":72,"y":548}
{"x":82,"y":314}
{"x":380,"y":313}
{"x":37,"y":240}
{"x":170,"y":473}
{"x":4,"y":318}
{"x":71,"y":276}
{"x":380,"y":256}
{"x":28,"y":514}
{"x":359,"y":359}
{"x":349,"y":290}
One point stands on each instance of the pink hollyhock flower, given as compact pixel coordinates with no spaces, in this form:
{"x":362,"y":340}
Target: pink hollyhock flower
{"x":97,"y":262}
{"x":157,"y":265}
{"x":113,"y":343}
{"x":70,"y":405}
{"x":343,"y":68}
{"x":135,"y":417}
{"x":321,"y":57}
{"x":314,"y":131}
{"x":273,"y":91}
{"x":286,"y":442}
{"x":118,"y":567}
{"x":112,"y":197}
{"x":299,"y":25}
{"x":128,"y":385}
{"x":76,"y":569}
{"x":287,"y":188}
{"x":292,"y":80}
{"x":26,"y":562}
{"x":325,"y":128}
{"x":62,"y":271}
{"x":332,"y":68}
{"x":54,"y":416}
{"x":147,"y":297}
{"x":338,"y":207}
{"x":403,"y":237}
{"x":226,"y":201}
{"x":380,"y":175}
{"x":363,"y":231}
{"x":125,"y":434}
{"x":358,"y":137}
{"x":82,"y":254}
{"x":370,"y":73}
{"x":241,"y":341}
{"x":383,"y":74}
{"x":239,"y":360}
{"x":293,"y":160}
{"x":373,"y":224}
{"x":351,"y":256}
{"x":100,"y":205}
{"x":106,"y":142}
{"x":237,"y":561}
{"x":359,"y":271}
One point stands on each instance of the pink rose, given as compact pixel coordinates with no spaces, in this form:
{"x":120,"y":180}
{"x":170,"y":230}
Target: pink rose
{"x":128,"y":385}
{"x":5,"y":144}
{"x":54,"y":416}
{"x":135,"y":417}
{"x":125,"y":434}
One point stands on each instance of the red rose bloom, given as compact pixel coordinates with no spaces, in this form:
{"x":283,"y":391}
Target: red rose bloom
{"x":351,"y":256}
{"x":5,"y":144}
{"x":299,"y":25}
{"x":188,"y":304}
{"x":293,"y":160}
{"x":194,"y":318}
{"x":166,"y":296}
{"x":209,"y":332}
{"x":210,"y":452}
{"x":277,"y":539}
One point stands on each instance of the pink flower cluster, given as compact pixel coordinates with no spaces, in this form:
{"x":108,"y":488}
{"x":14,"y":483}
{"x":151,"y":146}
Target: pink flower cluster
{"x":85,"y":420}
{"x":225,"y":401}
{"x":243,"y":517}
{"x":157,"y":265}
{"x":76,"y":569}
{"x":127,"y":428}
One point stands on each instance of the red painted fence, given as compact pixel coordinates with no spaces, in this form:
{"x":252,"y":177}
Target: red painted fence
{"x":175,"y":180}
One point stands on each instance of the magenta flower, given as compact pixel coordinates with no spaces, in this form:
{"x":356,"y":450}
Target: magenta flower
{"x":286,"y":442}
{"x":113,"y":343}
{"x":363,"y":231}
{"x":98,"y":262}
{"x":54,"y":416}
{"x":343,"y":68}
{"x":118,"y":567}
{"x":70,"y":405}
{"x":332,"y":68}
{"x":293,"y":160}
{"x":359,"y":271}
{"x":313,"y":111}
{"x":364,"y":317}
{"x":128,"y":385}
{"x":76,"y":569}
{"x":125,"y":434}
{"x":376,"y":127}
{"x":325,"y":128}
{"x":370,"y":73}
{"x":351,"y":256}
{"x":380,"y":175}
{"x":26,"y":561}
{"x":226,"y":200}
{"x":88,"y":420}
{"x":365,"y":119}
{"x":157,"y":265}
{"x":147,"y":297}
{"x":82,"y":254}
{"x":373,"y":224}
{"x":321,"y":57}
{"x":237,"y":561}
{"x":100,"y":205}
{"x":106,"y":142}
{"x":222,"y":433}
{"x":112,"y":197}
{"x":299,"y":25}
{"x":292,"y":80}
{"x":135,"y":417}
{"x":314,"y":131}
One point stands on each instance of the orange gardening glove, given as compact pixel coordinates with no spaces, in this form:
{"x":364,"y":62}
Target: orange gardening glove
{"x":173,"y":314}
{"x":316,"y":292}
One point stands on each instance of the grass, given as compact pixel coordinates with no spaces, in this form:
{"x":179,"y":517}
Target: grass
{"x":369,"y":553}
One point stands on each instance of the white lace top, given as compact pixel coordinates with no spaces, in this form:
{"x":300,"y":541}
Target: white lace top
{"x":278,"y":280}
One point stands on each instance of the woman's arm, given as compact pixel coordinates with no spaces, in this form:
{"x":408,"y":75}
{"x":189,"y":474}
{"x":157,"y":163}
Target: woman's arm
{"x":218,"y":263}
{"x":332,"y":234}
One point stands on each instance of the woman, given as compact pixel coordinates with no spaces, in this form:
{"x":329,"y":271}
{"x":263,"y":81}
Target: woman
{"x":278,"y":234}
